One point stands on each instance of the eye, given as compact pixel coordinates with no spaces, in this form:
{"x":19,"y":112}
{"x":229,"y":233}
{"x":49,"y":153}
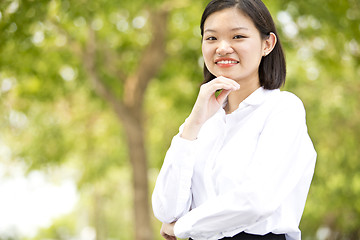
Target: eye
{"x":238,"y":37}
{"x":211,"y":38}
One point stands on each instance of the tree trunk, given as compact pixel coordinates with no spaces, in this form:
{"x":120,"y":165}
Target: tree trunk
{"x":137,"y":153}
{"x":130,"y":109}
{"x":99,"y":219}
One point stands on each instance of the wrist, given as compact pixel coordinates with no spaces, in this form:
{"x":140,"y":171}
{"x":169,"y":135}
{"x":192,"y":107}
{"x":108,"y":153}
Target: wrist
{"x":191,"y":129}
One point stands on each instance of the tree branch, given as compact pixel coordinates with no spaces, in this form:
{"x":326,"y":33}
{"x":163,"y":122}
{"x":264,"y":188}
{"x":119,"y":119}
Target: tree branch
{"x":100,"y":88}
{"x":150,"y":61}
{"x":110,"y":59}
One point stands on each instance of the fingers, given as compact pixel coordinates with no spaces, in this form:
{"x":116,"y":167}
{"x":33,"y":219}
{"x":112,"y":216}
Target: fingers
{"x":222,"y":96}
{"x":167,"y":231}
{"x":220,"y":86}
{"x":168,"y":237}
{"x":221,"y":83}
{"x":226,"y":81}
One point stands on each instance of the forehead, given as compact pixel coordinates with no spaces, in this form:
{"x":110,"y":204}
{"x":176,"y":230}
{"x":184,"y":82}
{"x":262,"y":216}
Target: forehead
{"x":229,"y":18}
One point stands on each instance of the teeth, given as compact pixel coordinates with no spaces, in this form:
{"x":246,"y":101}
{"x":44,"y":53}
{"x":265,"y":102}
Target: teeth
{"x":227,"y":62}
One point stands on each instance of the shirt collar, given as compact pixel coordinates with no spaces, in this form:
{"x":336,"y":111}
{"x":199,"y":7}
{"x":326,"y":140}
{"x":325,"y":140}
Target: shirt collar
{"x":254,"y":99}
{"x":258,"y":96}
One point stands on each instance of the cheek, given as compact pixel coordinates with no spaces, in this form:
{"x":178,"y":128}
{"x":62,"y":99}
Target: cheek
{"x":207,"y":54}
{"x":250,"y":51}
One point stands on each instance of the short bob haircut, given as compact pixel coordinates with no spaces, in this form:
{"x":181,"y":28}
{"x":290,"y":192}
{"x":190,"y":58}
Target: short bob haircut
{"x":272,"y":69}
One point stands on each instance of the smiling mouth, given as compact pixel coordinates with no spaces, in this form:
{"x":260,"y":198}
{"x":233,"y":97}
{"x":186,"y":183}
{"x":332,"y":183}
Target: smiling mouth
{"x":226,"y":62}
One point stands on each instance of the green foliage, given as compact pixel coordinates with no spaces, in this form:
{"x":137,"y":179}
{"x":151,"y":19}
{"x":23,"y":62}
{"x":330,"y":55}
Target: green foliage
{"x":50,"y":116}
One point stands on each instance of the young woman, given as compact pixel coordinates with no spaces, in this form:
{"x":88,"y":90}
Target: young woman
{"x":242,"y":163}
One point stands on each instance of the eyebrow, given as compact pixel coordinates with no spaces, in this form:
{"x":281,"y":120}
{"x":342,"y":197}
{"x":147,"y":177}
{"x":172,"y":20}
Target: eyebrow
{"x":233,"y":29}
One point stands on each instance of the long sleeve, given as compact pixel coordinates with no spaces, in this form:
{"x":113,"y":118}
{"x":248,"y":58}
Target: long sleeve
{"x":172,"y":195}
{"x":281,"y":168}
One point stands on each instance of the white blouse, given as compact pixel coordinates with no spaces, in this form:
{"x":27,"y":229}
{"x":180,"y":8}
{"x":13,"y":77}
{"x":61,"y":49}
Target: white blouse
{"x":247,"y":171}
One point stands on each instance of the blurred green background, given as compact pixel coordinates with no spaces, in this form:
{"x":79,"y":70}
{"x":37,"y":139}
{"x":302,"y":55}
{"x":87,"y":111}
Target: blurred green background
{"x":91,"y":93}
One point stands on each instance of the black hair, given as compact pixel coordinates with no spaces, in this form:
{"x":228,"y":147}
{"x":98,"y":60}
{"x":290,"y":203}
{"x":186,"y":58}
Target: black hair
{"x":272,"y":69}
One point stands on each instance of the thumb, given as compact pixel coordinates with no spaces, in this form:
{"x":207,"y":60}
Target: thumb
{"x":222,"y":96}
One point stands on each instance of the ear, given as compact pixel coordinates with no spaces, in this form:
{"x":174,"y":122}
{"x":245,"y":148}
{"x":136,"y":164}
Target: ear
{"x":269,"y":44}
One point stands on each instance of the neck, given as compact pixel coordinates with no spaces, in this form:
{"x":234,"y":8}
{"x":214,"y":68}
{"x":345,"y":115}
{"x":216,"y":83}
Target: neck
{"x":236,"y":97}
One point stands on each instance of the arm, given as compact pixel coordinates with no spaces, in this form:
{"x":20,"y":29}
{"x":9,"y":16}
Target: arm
{"x":283,"y":157}
{"x":207,"y":104}
{"x":172,"y":194}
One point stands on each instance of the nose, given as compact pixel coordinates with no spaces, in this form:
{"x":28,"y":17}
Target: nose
{"x":224,"y":48}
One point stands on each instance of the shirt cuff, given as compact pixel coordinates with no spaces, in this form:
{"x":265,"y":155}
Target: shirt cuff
{"x":183,"y":149}
{"x":181,"y":229}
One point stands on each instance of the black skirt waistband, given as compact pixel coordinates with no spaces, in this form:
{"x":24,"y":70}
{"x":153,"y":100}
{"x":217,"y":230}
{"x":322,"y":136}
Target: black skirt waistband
{"x":248,"y":236}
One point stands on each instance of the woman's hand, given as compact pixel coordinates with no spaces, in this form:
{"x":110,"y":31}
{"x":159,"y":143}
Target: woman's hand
{"x":207,"y":104}
{"x":167,"y":231}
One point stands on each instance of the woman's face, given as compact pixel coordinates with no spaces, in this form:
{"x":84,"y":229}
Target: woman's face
{"x":232,"y":46}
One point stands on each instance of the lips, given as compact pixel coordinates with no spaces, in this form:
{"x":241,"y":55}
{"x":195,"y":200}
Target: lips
{"x":226,"y":62}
